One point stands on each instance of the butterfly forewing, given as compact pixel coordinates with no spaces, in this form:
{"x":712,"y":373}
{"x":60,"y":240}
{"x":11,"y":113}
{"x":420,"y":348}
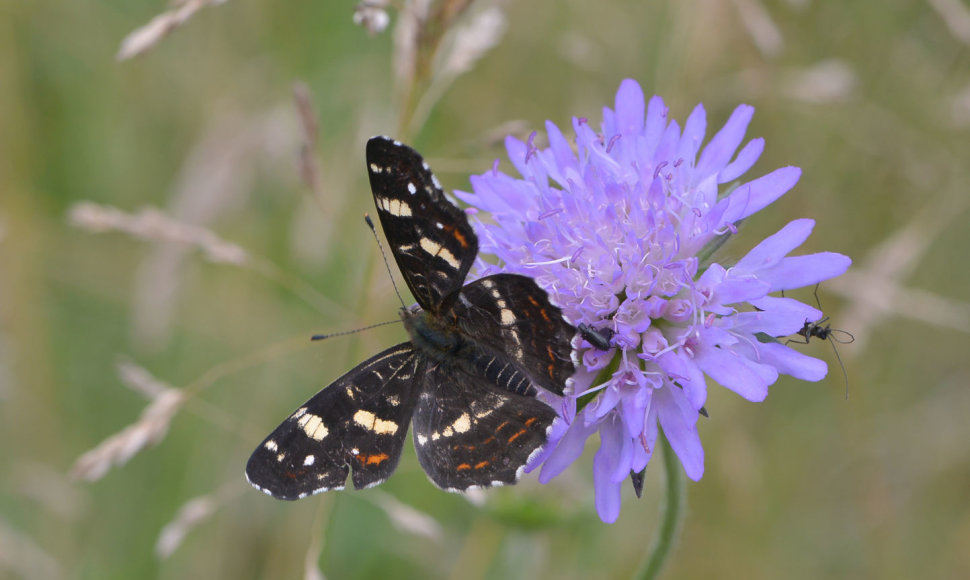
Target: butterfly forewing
{"x":509,"y":314}
{"x":468,"y":433}
{"x":358,"y":423}
{"x":430,"y":238}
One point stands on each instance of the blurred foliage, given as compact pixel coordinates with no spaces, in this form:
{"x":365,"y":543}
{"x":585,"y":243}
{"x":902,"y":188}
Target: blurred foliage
{"x":871,"y":98}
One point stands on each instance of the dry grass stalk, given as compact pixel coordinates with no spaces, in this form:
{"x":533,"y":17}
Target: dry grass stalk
{"x":956,"y":17}
{"x":454,"y":50}
{"x":762,"y":30}
{"x":311,"y":563}
{"x":154,"y":225}
{"x":49,"y":488}
{"x":116,"y":450}
{"x":473,"y":40}
{"x":192,"y":512}
{"x":372,"y":15}
{"x":22,"y":557}
{"x":143,"y":38}
{"x":138,"y":379}
{"x":406,"y":518}
{"x":829,"y":81}
{"x":309,"y":132}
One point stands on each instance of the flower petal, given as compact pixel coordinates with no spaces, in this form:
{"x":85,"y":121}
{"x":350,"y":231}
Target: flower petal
{"x":775,"y":247}
{"x":719,"y":151}
{"x":743,"y":376}
{"x":693,"y":135}
{"x":801,"y":271}
{"x":744,"y":161}
{"x":629,"y":108}
{"x":569,"y":449}
{"x":755,"y":195}
{"x":791,"y":362}
{"x":681,"y":432}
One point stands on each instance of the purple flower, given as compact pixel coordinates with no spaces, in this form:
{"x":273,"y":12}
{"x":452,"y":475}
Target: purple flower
{"x":620,"y":229}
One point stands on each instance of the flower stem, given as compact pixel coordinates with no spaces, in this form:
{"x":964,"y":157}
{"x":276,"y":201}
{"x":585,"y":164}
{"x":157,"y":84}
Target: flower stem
{"x":672,"y":515}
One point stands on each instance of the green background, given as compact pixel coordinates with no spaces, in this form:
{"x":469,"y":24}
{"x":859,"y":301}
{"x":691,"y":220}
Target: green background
{"x":806,"y":485}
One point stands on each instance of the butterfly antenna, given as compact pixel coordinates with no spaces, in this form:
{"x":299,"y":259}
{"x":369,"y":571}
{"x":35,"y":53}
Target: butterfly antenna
{"x":354,"y":331}
{"x":390,"y":274}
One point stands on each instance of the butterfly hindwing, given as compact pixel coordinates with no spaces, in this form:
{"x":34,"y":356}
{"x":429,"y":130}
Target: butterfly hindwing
{"x":430,"y":238}
{"x":511,"y":315}
{"x":358,"y":423}
{"x":468,"y":433}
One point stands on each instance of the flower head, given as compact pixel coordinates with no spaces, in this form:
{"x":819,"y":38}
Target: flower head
{"x":621,"y":231}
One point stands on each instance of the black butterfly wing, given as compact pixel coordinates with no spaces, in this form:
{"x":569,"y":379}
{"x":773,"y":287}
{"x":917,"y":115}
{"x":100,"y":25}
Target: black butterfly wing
{"x":469,"y":433}
{"x":509,"y":314}
{"x":430,"y":238}
{"x":358,"y":423}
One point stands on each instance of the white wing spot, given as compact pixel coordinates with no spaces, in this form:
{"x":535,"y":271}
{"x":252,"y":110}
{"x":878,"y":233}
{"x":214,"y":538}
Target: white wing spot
{"x":308,"y":460}
{"x":313,"y":426}
{"x":484,"y":413}
{"x":436,"y":249}
{"x":299,"y":413}
{"x":435,"y":181}
{"x":462,"y":424}
{"x":411,"y":189}
{"x":507,"y":317}
{"x":375,"y":168}
{"x":281,"y":457}
{"x":371,"y":422}
{"x":394,"y":207}
{"x":271,"y":445}
{"x":422,"y":439}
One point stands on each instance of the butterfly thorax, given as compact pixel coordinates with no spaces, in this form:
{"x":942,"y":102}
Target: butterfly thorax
{"x":445,"y":344}
{"x":430,"y":336}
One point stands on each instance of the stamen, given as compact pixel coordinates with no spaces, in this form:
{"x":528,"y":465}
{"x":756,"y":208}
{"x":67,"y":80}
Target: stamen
{"x":531,"y":150}
{"x":550,"y":213}
{"x":546,"y":263}
{"x":613,"y":140}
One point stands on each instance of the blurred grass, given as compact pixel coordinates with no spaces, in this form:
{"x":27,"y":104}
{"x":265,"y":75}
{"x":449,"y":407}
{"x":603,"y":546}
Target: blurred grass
{"x":806,"y":485}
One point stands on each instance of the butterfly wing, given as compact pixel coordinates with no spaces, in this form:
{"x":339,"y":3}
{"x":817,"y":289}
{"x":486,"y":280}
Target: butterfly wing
{"x":431,"y":240}
{"x":358,"y":423}
{"x":511,"y":315}
{"x":469,"y":433}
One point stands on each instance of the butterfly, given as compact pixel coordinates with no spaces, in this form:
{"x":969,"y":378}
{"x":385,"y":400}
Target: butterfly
{"x":467,"y":380}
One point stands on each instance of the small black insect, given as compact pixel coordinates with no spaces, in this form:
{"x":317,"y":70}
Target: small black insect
{"x":598,"y":337}
{"x":812,"y":330}
{"x":466,"y":380}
